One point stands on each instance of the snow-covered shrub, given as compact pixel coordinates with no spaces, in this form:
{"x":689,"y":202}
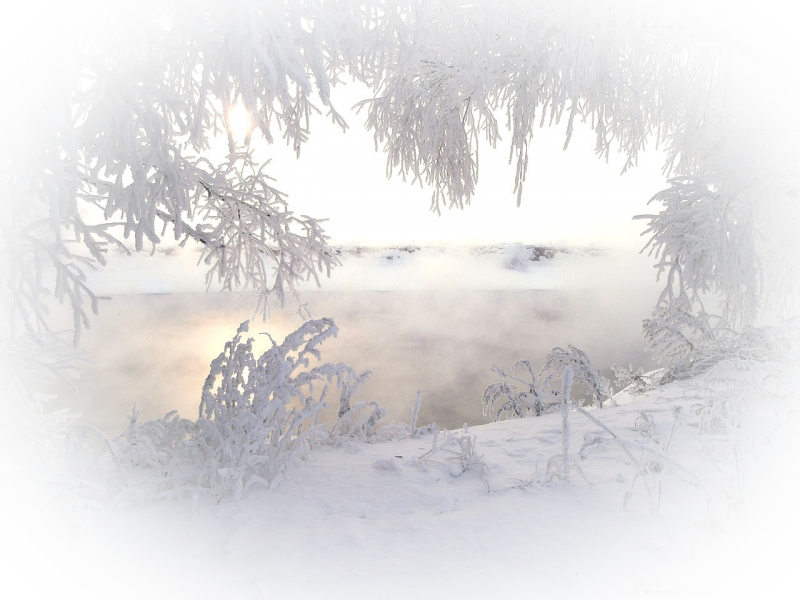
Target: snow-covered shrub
{"x":516,"y":258}
{"x":348,"y":387}
{"x":632,"y":381}
{"x":502,"y":399}
{"x":458,"y":452}
{"x":358,"y":421}
{"x":393,"y":431}
{"x":257,"y":417}
{"x":688,"y":341}
{"x":27,"y":367}
{"x":95,"y":459}
{"x":152,"y":443}
{"x":738,"y":480}
{"x":749,"y":480}
{"x":558,"y":359}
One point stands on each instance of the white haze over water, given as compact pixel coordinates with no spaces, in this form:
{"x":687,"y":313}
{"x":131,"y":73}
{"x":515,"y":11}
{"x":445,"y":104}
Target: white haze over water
{"x":429,"y":320}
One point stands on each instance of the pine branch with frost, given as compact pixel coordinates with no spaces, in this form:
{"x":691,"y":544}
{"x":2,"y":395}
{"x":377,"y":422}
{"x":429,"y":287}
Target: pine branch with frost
{"x":724,"y":222}
{"x":246,"y":225}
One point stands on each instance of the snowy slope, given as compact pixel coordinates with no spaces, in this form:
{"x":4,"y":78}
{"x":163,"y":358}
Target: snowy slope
{"x":383,"y":520}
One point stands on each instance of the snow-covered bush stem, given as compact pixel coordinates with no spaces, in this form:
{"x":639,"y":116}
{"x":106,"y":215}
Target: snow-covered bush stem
{"x":415,"y":414}
{"x":560,"y":465}
{"x":360,"y":422}
{"x":349,"y":387}
{"x":566,"y":389}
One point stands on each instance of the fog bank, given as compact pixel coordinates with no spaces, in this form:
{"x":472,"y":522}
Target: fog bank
{"x":155,"y":349}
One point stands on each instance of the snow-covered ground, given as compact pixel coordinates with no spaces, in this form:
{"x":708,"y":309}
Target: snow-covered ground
{"x":709,"y":514}
{"x":695,"y":499}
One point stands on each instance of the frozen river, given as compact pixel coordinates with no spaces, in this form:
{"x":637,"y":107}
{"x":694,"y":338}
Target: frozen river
{"x":155,"y":349}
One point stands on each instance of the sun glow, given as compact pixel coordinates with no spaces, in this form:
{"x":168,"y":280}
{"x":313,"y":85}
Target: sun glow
{"x":239,"y":123}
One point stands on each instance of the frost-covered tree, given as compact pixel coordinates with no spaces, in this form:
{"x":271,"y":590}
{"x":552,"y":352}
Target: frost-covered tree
{"x":105,"y":109}
{"x":687,"y":340}
{"x":118,"y":152}
{"x":637,"y":74}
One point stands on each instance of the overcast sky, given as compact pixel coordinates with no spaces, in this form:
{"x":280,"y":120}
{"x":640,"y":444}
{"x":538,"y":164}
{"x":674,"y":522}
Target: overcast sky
{"x":571,"y":197}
